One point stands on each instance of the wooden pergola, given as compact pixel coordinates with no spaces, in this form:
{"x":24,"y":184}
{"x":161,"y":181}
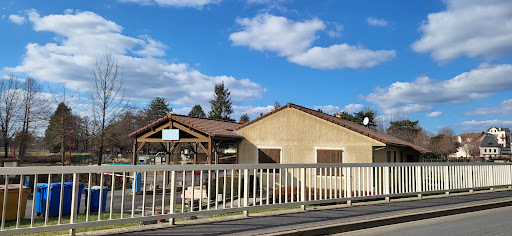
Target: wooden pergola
{"x":205,"y":134}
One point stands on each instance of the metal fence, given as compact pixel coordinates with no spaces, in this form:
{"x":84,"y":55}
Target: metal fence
{"x":179,"y":191}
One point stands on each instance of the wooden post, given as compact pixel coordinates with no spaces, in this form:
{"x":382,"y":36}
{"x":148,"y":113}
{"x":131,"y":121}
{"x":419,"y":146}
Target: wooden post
{"x":134,"y":156}
{"x":210,"y":151}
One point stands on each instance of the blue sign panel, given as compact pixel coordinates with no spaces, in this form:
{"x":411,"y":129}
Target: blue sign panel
{"x":170,"y":134}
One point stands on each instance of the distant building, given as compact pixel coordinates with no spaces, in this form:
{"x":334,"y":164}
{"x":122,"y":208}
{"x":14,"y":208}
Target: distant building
{"x":489,"y":147}
{"x":469,"y":144}
{"x":502,"y":135}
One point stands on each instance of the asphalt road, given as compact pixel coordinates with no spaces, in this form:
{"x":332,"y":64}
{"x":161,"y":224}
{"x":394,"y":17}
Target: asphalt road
{"x":486,"y":222}
{"x":318,"y":218}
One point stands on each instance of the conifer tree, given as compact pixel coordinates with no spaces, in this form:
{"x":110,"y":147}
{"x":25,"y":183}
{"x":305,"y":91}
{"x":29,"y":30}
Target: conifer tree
{"x":221,"y":103}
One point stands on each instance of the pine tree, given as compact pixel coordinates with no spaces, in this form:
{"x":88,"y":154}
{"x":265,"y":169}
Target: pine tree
{"x":57,"y":132}
{"x":221,"y":104}
{"x":197,"y":111}
{"x":157,"y":109}
{"x":244,"y":118}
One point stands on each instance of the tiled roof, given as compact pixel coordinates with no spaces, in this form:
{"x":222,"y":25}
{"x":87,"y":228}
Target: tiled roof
{"x":214,"y":128}
{"x":379,"y":136}
{"x":489,"y":141}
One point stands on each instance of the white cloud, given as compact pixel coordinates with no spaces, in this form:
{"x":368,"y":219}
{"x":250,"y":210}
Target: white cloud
{"x":174,"y":3}
{"x":477,"y":126}
{"x":435,"y":114}
{"x":502,"y":109}
{"x":250,"y":110}
{"x":376,"y":22}
{"x":182,"y":111}
{"x":468,"y":28}
{"x":17,"y":19}
{"x":266,"y":32}
{"x":82,"y":38}
{"x":342,"y":56}
{"x":293,"y":40}
{"x":331,"y":109}
{"x":423,"y":92}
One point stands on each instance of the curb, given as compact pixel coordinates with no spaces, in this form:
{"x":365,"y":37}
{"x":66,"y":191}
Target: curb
{"x":382,"y":221}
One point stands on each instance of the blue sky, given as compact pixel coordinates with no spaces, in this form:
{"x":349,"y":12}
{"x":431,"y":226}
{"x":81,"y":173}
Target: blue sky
{"x":444,"y":63}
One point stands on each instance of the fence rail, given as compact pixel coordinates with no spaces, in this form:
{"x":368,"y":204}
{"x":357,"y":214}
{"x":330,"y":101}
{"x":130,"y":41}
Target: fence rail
{"x":178,"y":191}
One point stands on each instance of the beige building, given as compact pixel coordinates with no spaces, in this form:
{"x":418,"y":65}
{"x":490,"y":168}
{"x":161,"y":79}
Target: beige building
{"x":295,"y":134}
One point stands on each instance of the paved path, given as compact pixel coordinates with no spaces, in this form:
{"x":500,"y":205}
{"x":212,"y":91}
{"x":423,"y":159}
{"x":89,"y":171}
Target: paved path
{"x":275,"y":224}
{"x":486,"y":222}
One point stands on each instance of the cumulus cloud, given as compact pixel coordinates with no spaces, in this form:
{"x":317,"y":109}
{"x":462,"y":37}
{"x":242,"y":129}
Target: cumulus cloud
{"x":435,"y":114}
{"x":502,"y":109}
{"x":82,"y":38}
{"x":468,"y":28}
{"x":251,"y":110}
{"x":423,"y":92}
{"x":173,"y":3}
{"x":477,"y":126}
{"x":266,"y":32}
{"x":17,"y":19}
{"x":293,"y":40}
{"x":331,"y":109}
{"x":376,"y":22}
{"x":342,"y":56}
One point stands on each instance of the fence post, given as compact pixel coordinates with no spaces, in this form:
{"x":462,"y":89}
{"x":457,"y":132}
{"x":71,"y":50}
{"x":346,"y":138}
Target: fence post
{"x":172,"y":206}
{"x":246,"y":191}
{"x":349,"y":185}
{"x":510,"y":175}
{"x":447,"y":180}
{"x":472,"y":180}
{"x":491,"y":177}
{"x":419,"y":183}
{"x":74,"y":202}
{"x":387,"y":183}
{"x":303,"y":187}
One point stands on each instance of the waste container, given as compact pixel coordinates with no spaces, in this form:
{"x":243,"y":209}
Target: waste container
{"x":13,"y":191}
{"x":137,"y":182}
{"x":95,"y":198}
{"x":41,"y":195}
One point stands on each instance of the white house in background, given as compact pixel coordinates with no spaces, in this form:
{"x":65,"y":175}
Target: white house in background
{"x":469,"y":144}
{"x":502,"y":135}
{"x":489,"y":147}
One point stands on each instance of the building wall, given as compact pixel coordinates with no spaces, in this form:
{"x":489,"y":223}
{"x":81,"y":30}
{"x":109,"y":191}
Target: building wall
{"x":299,"y":135}
{"x":381,"y":155}
{"x":490,"y":151}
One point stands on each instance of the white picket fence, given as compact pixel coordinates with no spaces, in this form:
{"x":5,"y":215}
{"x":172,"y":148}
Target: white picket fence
{"x":179,"y":191}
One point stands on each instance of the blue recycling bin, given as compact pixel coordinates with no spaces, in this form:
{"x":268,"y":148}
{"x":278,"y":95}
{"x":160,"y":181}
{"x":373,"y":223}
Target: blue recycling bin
{"x":95,"y":198}
{"x":137,"y":182}
{"x":41,"y":196}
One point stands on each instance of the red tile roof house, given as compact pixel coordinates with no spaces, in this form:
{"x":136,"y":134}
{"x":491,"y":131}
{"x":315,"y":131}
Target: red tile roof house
{"x":289,"y":134}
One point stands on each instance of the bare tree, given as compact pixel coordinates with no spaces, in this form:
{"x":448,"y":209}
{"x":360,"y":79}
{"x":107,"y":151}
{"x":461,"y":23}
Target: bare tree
{"x":9,"y":109}
{"x":34,"y":109}
{"x":107,"y":96}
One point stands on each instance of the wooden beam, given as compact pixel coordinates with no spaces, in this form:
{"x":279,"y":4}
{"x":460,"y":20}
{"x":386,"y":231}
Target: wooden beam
{"x":183,"y":140}
{"x":185,"y":129}
{"x":154,"y":131}
{"x":204,"y":149}
{"x":140,"y":147}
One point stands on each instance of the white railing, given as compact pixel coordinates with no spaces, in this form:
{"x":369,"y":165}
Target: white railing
{"x":179,"y":191}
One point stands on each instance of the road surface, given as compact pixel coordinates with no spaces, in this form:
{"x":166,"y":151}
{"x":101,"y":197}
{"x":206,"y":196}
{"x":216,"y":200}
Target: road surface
{"x":486,"y":222}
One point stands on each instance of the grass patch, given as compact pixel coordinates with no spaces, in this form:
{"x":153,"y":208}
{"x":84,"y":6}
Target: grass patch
{"x":39,"y":221}
{"x":255,"y":211}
